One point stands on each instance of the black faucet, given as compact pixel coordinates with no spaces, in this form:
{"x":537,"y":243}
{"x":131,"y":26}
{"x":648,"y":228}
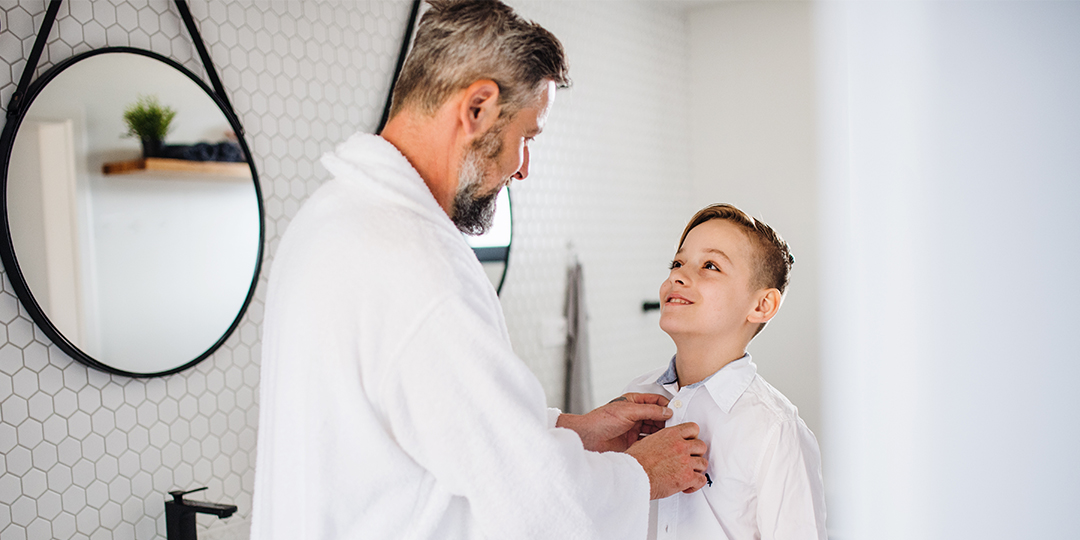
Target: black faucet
{"x":180,"y":514}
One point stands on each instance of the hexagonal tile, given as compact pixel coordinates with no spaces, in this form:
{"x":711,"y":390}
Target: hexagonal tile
{"x":11,"y":359}
{"x":171,"y":455}
{"x":75,"y":378}
{"x":104,"y":13}
{"x":154,"y":389}
{"x":30,"y":433}
{"x":71,"y":31}
{"x":89,"y":399}
{"x":86,"y":520}
{"x":163,"y":480}
{"x":13,"y":410}
{"x":58,"y":51}
{"x":34,"y":483}
{"x":147,"y":413}
{"x":23,"y":511}
{"x":36,"y":356}
{"x":79,"y":425}
{"x":200,"y":428}
{"x":49,"y":505}
{"x":97,"y":494}
{"x":110,"y":515}
{"x":115,"y":444}
{"x":45,"y":455}
{"x":207,"y":404}
{"x":149,"y":459}
{"x":51,"y":380}
{"x":63,"y":526}
{"x":103,"y":420}
{"x":10,"y":489}
{"x":138,"y":439}
{"x":127,"y":17}
{"x":55,"y":429}
{"x":116,"y":36}
{"x":112,"y":396}
{"x":8,"y":437}
{"x":142,"y":484}
{"x":25,"y":383}
{"x":146,"y":527}
{"x":149,"y":21}
{"x":19,"y":461}
{"x":169,"y":25}
{"x":9,"y":306}
{"x":40,"y":406}
{"x":74,"y":498}
{"x":93,"y":447}
{"x":39,"y":528}
{"x":69,"y":451}
{"x":59,"y":477}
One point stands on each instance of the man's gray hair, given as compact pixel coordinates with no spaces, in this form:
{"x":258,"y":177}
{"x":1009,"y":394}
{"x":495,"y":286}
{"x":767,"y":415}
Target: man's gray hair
{"x":459,"y":42}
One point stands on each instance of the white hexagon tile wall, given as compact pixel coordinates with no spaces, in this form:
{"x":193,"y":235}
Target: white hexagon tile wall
{"x":89,"y":455}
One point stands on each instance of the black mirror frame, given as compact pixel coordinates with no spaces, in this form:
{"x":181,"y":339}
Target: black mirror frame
{"x":16,"y":112}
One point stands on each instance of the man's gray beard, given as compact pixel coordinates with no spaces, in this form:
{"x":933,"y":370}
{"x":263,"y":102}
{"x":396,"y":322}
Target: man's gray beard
{"x":474,"y":211}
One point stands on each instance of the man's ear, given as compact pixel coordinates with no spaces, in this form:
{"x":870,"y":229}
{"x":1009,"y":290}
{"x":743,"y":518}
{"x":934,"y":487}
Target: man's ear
{"x":768,"y":303}
{"x":480,"y":107}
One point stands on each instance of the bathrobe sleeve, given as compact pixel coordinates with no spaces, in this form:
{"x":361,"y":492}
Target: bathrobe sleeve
{"x":465,"y":408}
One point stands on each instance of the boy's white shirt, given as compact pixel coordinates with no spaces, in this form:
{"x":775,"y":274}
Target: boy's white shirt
{"x":764,"y":462}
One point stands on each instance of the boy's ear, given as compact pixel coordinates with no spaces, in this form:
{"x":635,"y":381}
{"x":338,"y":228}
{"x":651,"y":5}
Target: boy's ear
{"x":480,"y":107}
{"x":768,"y":303}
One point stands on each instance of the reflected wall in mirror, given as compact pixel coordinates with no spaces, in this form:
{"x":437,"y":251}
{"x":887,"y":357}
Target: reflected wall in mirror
{"x":493,"y":247}
{"x":135,"y":266}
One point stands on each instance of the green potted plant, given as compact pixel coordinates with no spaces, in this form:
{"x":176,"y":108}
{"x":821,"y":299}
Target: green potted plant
{"x":149,"y":120}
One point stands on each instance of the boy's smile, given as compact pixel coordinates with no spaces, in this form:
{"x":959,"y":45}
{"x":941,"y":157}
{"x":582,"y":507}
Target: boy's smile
{"x":708,"y":293}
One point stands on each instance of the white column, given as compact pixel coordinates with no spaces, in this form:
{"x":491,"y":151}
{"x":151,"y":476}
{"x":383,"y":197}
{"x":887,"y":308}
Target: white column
{"x":950,"y":196}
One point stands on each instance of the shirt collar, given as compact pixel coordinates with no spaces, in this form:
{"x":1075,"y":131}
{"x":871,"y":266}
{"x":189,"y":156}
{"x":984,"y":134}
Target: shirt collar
{"x":670,"y":375}
{"x":725,"y":386}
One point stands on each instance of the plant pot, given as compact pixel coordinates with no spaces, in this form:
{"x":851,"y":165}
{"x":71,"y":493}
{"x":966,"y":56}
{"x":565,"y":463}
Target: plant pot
{"x":151,"y":148}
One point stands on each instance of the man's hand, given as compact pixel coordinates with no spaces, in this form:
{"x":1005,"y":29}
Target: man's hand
{"x":620,"y":423}
{"x":674,"y":459}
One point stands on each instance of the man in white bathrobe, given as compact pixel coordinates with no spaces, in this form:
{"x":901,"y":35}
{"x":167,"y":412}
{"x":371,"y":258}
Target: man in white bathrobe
{"x":392,"y":405}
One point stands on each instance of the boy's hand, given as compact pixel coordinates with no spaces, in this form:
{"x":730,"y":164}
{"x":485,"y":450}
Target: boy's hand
{"x":620,"y":423}
{"x":674,"y":459}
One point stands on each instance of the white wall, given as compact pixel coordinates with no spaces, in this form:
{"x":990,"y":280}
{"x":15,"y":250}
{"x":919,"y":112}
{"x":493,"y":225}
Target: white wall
{"x":951,"y":237}
{"x":753,"y":142}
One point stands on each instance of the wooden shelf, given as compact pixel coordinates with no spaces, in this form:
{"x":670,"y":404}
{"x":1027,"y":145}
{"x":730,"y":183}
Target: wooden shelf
{"x":164,"y":165}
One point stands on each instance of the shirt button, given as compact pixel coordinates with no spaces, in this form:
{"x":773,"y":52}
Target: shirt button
{"x":666,"y":527}
{"x":677,"y":404}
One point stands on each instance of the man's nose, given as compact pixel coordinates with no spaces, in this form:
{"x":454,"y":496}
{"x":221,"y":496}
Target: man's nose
{"x":524,"y":170}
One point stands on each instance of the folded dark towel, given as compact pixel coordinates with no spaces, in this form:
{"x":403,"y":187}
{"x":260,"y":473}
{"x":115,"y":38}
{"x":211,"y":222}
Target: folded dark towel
{"x":223,"y":151}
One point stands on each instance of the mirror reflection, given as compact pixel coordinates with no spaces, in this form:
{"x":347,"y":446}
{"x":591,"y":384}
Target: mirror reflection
{"x":142,"y":264}
{"x":493,"y":247}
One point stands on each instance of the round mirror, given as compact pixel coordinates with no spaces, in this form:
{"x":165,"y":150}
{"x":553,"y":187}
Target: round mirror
{"x":136,"y":256}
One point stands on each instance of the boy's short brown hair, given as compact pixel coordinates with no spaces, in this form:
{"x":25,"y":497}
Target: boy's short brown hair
{"x":773,"y":260}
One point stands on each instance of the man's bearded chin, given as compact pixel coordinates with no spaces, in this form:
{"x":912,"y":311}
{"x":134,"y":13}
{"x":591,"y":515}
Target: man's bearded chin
{"x":474,"y":211}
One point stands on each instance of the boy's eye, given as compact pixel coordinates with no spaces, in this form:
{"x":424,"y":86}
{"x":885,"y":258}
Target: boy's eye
{"x":674,"y":264}
{"x":711,"y":266}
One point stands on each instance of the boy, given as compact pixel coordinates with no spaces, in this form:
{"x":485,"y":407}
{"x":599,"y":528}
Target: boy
{"x":727,"y":281}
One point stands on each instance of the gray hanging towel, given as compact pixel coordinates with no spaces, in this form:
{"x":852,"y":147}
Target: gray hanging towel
{"x":578,"y":388}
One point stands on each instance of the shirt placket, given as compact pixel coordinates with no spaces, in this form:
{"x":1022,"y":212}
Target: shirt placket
{"x":667,"y":522}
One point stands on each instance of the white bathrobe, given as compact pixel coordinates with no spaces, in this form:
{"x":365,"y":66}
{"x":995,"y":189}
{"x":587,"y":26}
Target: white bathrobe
{"x":392,"y":405}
